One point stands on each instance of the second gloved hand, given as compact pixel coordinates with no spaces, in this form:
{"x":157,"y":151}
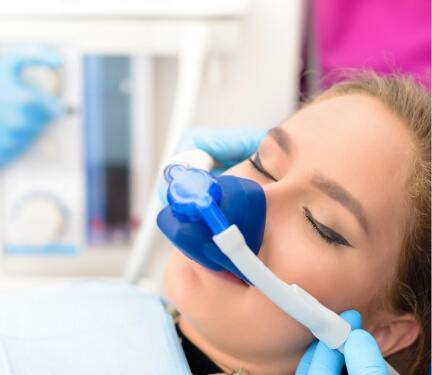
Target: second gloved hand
{"x":362,"y":354}
{"x":24,"y":109}
{"x":229,"y":146}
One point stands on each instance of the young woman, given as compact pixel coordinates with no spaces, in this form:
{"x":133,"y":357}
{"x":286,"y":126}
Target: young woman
{"x":347,"y":183}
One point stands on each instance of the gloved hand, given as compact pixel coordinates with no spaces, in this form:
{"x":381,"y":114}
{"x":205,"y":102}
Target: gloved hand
{"x":362,"y":354}
{"x":24,"y":109}
{"x":227,"y":146}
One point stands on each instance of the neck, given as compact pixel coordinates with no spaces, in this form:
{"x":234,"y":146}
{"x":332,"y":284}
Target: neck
{"x":230,"y":362}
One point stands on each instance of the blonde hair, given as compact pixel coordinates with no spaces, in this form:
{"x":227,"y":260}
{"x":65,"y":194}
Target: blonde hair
{"x":410,"y":289}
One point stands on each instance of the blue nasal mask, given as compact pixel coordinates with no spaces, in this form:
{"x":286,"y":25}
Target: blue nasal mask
{"x":201,"y":205}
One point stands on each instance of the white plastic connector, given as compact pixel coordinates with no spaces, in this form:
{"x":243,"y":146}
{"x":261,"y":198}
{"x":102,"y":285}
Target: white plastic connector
{"x":190,"y":159}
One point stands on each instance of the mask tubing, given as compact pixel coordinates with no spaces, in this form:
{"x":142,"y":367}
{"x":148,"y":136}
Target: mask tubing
{"x":214,"y":218}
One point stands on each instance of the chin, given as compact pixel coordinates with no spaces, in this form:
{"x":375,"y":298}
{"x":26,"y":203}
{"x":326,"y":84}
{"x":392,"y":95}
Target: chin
{"x":227,"y":314}
{"x":198,"y":293}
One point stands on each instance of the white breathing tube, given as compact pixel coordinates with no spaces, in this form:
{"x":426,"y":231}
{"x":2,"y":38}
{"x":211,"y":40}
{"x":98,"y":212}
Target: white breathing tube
{"x":325,"y":324}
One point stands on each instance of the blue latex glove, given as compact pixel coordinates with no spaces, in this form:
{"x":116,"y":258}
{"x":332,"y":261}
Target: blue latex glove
{"x":24,"y":109}
{"x":227,"y":146}
{"x":362,"y":354}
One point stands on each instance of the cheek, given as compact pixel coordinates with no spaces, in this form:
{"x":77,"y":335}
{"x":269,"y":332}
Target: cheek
{"x":340,"y":278}
{"x":179,"y":279}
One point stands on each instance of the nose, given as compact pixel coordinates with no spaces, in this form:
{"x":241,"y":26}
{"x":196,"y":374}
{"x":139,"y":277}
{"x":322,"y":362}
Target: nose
{"x":282,"y":199}
{"x":283,"y":191}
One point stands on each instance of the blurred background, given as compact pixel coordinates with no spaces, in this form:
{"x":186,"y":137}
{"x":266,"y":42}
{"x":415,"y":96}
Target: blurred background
{"x":130,"y":80}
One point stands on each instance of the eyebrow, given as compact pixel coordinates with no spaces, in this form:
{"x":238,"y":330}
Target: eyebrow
{"x":338,"y":193}
{"x":324,"y":184}
{"x":281,"y":138}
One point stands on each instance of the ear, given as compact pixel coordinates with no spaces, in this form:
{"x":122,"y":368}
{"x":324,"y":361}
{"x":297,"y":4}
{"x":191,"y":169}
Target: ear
{"x":398,"y":333}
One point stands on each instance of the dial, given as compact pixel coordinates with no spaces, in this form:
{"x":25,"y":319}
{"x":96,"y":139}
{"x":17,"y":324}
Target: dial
{"x":37,"y":220}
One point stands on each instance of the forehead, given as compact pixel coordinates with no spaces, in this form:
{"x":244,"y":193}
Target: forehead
{"x":356,"y":141}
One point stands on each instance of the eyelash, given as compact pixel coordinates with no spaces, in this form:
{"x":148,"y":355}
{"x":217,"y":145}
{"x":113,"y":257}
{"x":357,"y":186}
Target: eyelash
{"x":321,"y":234}
{"x":338,"y":240}
{"x":256,"y":164}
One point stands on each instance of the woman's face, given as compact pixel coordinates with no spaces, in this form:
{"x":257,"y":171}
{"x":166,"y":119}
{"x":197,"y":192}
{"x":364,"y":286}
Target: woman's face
{"x":334,"y":178}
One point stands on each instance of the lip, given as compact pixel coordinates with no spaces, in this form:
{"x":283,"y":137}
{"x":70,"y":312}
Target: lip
{"x":224,"y":276}
{"x":228,"y":277}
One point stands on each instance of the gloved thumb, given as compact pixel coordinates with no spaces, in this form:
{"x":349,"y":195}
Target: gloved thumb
{"x":362,"y":355}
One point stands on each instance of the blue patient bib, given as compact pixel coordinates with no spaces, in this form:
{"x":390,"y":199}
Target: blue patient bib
{"x":88,"y":328}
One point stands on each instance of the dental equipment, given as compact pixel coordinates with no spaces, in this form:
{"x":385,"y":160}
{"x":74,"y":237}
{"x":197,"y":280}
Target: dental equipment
{"x":204,"y":209}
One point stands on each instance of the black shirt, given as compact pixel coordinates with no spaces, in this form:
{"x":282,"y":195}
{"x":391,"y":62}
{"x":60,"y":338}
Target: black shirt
{"x":198,"y":362}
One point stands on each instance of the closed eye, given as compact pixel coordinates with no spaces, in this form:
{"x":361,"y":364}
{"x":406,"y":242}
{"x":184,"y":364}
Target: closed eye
{"x":256,"y":163}
{"x":326,"y":233}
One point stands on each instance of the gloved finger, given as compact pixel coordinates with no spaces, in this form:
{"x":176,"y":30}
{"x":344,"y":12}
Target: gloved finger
{"x":15,"y":122}
{"x":11,"y":146}
{"x":188,"y":140}
{"x":328,"y":361}
{"x":305,"y":361}
{"x":15,"y":138}
{"x":33,"y":55}
{"x":353,"y":317}
{"x":13,"y":62}
{"x":363,"y":356}
{"x":230,"y":146}
{"x":51,"y":104}
{"x":36,"y":118}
